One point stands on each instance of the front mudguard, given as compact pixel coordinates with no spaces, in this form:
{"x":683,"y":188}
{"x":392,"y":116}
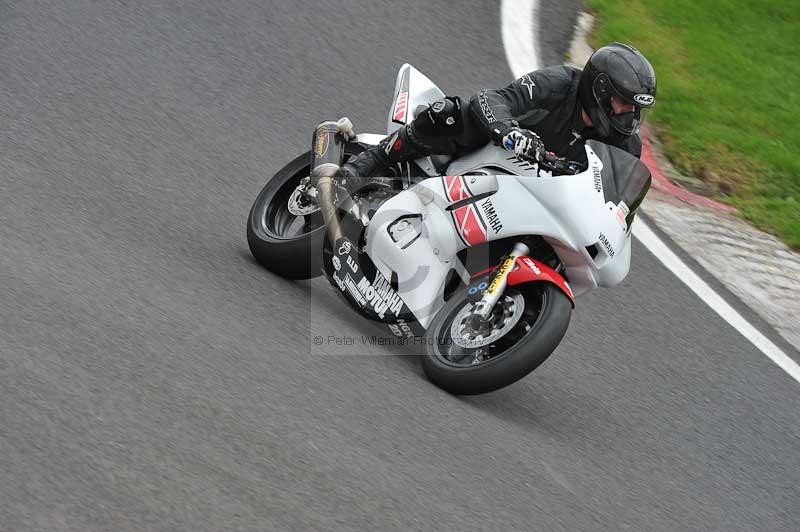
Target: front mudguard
{"x":526,"y":270}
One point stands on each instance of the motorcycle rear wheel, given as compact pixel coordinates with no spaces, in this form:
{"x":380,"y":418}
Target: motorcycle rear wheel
{"x":544,"y":319}
{"x":286,"y":244}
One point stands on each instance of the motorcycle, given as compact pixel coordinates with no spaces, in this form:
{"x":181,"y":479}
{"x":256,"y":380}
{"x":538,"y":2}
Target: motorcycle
{"x":478,"y":259}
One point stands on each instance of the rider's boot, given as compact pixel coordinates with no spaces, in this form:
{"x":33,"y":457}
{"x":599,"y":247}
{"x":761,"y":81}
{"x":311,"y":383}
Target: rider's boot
{"x":360,"y":170}
{"x":432,"y":131}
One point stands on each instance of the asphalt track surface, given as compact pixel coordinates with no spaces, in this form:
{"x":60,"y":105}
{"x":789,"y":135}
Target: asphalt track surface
{"x":153,"y":377}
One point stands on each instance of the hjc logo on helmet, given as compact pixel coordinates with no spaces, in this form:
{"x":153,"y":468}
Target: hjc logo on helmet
{"x":645,"y":100}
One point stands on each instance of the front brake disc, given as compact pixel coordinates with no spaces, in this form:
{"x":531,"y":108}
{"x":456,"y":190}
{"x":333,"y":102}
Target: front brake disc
{"x":506,"y":313}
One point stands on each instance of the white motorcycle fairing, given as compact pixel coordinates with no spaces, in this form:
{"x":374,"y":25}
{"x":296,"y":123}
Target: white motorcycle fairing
{"x":415,"y":236}
{"x":413,"y":92}
{"x":453,"y":212}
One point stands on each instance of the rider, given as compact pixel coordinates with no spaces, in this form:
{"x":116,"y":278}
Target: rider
{"x":558,"y":107}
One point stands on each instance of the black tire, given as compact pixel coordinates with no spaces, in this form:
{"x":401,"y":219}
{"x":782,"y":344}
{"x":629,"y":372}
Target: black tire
{"x":278,"y":240}
{"x":523,"y":351}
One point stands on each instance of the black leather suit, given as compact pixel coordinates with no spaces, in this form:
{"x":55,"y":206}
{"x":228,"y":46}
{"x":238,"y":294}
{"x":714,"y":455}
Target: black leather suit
{"x":544,"y":101}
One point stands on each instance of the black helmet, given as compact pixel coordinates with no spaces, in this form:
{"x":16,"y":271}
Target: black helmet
{"x":617,"y":70}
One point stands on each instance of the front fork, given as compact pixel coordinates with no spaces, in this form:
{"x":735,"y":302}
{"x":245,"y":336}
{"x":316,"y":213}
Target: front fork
{"x":497,"y":285}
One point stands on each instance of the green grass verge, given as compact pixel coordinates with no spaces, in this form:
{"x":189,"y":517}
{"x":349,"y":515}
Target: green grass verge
{"x":728,"y":105}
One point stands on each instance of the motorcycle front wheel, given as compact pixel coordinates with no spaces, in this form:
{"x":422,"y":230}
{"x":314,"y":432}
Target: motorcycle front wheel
{"x":285,"y":243}
{"x":467,"y":357}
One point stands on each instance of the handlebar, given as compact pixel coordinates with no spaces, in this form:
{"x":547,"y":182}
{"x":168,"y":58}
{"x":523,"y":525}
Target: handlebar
{"x":559,"y":164}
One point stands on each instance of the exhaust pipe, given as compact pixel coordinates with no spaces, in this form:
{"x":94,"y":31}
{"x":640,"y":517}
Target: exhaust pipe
{"x":327,"y":150}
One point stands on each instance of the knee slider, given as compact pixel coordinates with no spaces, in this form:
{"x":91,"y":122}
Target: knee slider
{"x":442,"y":117}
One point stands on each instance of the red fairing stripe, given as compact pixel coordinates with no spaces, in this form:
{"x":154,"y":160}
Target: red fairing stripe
{"x":455,"y":189}
{"x":466,"y":220}
{"x":400,"y":106}
{"x":528,"y":270}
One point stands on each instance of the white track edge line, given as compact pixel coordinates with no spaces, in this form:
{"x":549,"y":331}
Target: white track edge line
{"x":667,"y":257}
{"x":517,"y":25}
{"x":516,"y":22}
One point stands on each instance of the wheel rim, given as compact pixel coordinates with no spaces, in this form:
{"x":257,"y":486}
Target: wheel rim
{"x":463,"y":345}
{"x":274,"y":217}
{"x":470,"y":333}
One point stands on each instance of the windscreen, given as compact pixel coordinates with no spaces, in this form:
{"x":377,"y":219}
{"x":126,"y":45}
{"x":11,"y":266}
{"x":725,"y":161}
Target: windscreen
{"x":625,"y":178}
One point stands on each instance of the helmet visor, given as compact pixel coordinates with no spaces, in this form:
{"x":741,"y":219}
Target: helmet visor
{"x":625,"y":123}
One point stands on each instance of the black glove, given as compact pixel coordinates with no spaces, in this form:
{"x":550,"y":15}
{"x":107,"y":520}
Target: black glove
{"x":523,"y":142}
